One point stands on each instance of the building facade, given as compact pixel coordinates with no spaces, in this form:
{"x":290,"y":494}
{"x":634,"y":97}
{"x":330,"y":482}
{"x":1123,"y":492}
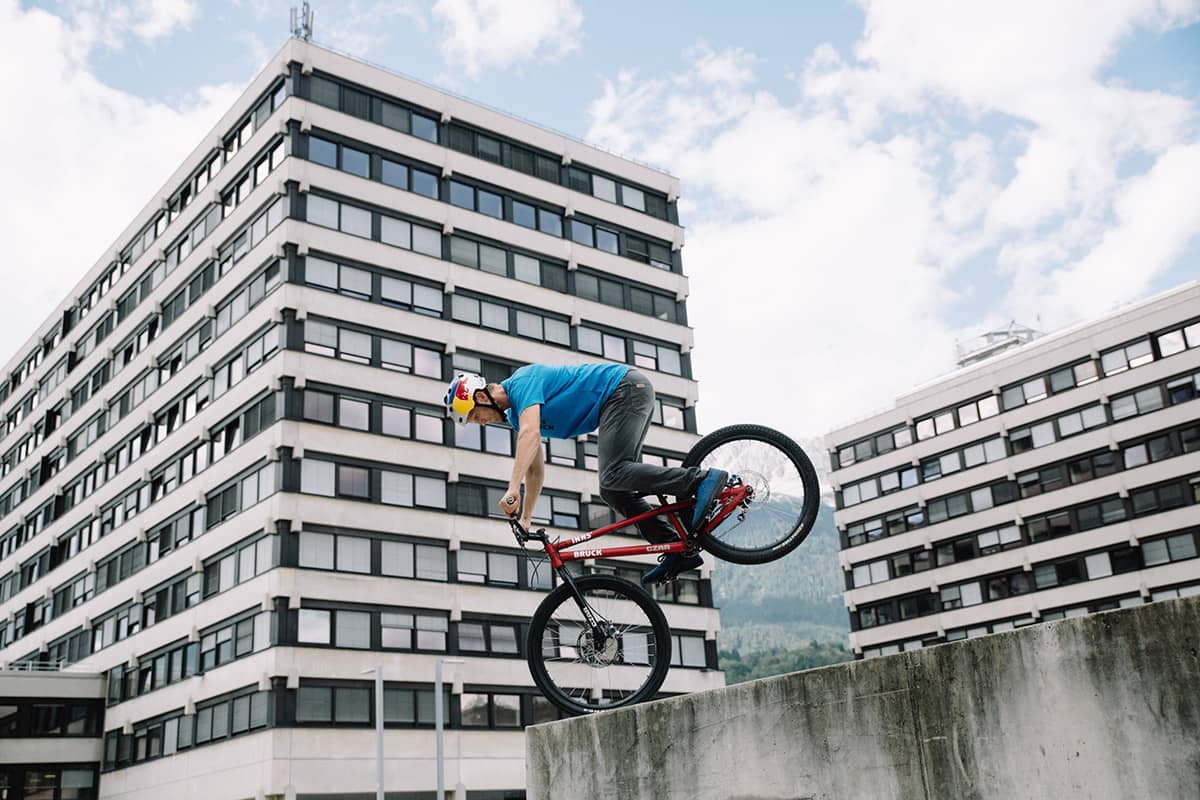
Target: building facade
{"x":1058,"y":478}
{"x":50,"y":731}
{"x":229,"y":484}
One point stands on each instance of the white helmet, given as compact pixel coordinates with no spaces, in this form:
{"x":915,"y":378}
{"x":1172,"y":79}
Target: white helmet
{"x":460,"y":396}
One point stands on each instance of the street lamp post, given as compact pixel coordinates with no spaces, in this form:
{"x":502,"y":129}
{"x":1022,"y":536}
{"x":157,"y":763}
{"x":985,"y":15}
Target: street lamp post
{"x":438,"y":717}
{"x":378,"y":670}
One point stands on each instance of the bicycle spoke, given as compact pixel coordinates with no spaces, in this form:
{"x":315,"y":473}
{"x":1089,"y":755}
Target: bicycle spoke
{"x":602,"y":665}
{"x":774,"y":510}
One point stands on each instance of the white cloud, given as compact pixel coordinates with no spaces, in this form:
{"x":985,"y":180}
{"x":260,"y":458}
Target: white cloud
{"x":87,"y":158}
{"x":827,"y":237}
{"x":108,"y":23}
{"x":482,"y":34}
{"x":364,"y":29}
{"x":1157,"y":215}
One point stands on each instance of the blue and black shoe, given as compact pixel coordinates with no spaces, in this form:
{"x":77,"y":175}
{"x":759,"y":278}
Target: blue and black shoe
{"x":706,"y":495}
{"x":671,"y":565}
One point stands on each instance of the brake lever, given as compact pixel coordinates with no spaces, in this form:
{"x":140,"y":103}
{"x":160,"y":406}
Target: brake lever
{"x":524,"y":536}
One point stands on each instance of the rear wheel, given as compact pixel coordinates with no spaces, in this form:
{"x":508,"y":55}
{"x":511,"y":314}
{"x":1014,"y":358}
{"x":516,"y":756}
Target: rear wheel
{"x":784,"y":505}
{"x":621,"y":661}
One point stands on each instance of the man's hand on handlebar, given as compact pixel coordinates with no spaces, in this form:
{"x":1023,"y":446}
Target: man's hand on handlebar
{"x":510,"y":505}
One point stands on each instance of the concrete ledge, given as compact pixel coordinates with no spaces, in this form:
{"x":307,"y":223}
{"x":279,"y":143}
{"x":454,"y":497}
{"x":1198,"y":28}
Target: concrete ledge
{"x":1103,"y":706}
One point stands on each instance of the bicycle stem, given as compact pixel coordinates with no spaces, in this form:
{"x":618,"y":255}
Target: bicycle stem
{"x":524,"y":536}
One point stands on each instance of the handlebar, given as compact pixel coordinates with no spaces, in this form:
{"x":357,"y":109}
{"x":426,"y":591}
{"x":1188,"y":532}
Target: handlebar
{"x":523,"y":535}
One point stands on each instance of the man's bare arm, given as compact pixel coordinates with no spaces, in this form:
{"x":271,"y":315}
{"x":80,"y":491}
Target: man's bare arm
{"x":533,"y":485}
{"x":529,"y":451}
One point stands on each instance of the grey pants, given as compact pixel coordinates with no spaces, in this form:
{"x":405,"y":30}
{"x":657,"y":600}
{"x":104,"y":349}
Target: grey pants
{"x":624,"y":479}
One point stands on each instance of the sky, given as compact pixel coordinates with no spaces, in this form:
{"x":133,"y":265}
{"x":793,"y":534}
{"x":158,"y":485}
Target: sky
{"x":864,"y":184}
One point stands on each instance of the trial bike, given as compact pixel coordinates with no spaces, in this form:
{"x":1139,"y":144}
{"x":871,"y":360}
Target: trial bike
{"x":598,"y":642}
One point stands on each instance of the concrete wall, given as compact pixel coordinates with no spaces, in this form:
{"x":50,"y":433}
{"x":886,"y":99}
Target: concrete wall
{"x":1104,"y":706}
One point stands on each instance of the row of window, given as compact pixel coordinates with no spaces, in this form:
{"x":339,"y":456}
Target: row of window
{"x":370,"y":628}
{"x":1035,"y":482}
{"x":1027,"y":437}
{"x":213,"y":721}
{"x":23,"y":718}
{"x":396,"y":171}
{"x":1111,"y":362}
{"x":589,"y":339}
{"x":357,"y":411}
{"x":1087,"y":516}
{"x":482,"y":144}
{"x":218,"y":645}
{"x":351,"y":343}
{"x":668,"y":411}
{"x":320,"y":703}
{"x":1153,"y":398}
{"x":1095,"y":607}
{"x":46,"y":781}
{"x":253,"y":557}
{"x":462,"y":249}
{"x":144,"y":239}
{"x":1060,"y":572}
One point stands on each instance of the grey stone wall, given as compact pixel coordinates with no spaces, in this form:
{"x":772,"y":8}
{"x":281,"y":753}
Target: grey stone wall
{"x":1103,"y":706}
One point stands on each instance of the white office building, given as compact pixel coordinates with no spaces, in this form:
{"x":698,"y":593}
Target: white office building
{"x":1057,"y":478}
{"x":228,"y":482}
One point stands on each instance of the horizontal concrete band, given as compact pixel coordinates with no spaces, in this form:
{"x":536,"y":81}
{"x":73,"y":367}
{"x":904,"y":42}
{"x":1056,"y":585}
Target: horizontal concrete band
{"x":1102,"y":706}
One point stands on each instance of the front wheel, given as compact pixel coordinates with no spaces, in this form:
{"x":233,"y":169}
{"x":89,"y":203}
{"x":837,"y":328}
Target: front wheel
{"x":620,"y":661}
{"x":784,"y":505}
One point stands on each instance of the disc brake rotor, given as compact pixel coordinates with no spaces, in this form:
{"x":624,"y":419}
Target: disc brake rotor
{"x":597,"y":656}
{"x":759,"y":483}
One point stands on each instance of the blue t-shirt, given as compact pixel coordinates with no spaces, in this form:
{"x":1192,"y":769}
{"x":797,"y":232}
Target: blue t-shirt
{"x":570,"y":397}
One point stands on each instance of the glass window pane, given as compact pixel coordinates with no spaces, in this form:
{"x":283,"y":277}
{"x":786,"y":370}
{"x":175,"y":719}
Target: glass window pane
{"x":316,"y":477}
{"x":322,"y":151}
{"x":396,"y":488}
{"x":397,"y":559}
{"x":353,"y":554}
{"x":394,"y":174}
{"x":395,"y":232}
{"x":427,"y":241}
{"x":320,"y":272}
{"x":490,"y":204}
{"x":355,"y":280}
{"x":354,"y":413}
{"x":356,"y":221}
{"x":356,"y":162}
{"x":604,"y":188}
{"x":493,"y":260}
{"x":424,"y":127}
{"x":322,"y":211}
{"x":353,"y":629}
{"x":462,"y":195}
{"x":425,"y":183}
{"x":314,"y":704}
{"x":313,"y":626}
{"x":524,"y":214}
{"x":549,"y":223}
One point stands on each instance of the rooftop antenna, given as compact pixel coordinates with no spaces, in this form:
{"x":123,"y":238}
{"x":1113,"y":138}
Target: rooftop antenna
{"x":302,"y":21}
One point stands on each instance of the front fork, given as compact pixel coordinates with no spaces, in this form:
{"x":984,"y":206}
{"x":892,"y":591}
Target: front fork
{"x":599,"y":631}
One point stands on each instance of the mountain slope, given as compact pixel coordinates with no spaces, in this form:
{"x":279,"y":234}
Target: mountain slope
{"x":786,"y":603}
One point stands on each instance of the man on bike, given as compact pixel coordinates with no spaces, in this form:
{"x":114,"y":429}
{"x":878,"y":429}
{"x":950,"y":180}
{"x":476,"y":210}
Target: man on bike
{"x":568,"y":401}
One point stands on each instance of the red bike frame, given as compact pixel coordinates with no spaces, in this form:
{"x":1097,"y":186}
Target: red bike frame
{"x":561,"y":552}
